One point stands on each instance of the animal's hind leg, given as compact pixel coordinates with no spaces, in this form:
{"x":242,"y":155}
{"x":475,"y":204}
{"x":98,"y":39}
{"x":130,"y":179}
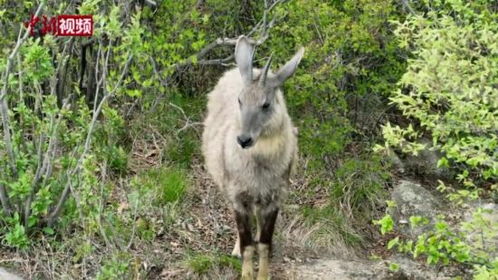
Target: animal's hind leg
{"x":269,"y":217}
{"x":246,"y":243}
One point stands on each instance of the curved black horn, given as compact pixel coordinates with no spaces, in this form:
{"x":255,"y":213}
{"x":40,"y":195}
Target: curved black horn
{"x":264,"y":72}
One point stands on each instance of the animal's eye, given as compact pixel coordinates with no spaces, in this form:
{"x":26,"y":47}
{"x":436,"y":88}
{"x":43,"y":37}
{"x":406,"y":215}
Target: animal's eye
{"x":266,"y":106}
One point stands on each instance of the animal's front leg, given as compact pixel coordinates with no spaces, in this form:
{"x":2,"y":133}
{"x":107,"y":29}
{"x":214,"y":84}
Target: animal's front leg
{"x":269,"y":217}
{"x":246,"y":243}
{"x":259,"y":222}
{"x":236,"y":247}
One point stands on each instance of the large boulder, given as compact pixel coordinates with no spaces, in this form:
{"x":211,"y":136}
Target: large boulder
{"x":4,"y":275}
{"x":413,"y":200}
{"x":335,"y":269}
{"x":424,"y":164}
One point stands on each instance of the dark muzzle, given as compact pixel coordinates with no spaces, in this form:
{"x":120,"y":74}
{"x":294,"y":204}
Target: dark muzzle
{"x":244,"y":141}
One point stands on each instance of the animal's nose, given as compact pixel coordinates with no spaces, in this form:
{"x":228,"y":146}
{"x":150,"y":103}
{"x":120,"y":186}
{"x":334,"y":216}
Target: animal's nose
{"x":244,"y":141}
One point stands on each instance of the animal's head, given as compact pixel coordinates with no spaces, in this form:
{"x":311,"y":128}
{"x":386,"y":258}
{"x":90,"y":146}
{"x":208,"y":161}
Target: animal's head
{"x":260,"y":110}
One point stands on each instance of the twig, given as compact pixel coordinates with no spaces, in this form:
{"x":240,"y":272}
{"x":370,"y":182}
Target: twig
{"x":101,"y":210}
{"x":151,"y":3}
{"x":135,"y":213}
{"x":188,"y":123}
{"x":407,"y":5}
{"x":21,"y":91}
{"x":4,"y":200}
{"x":222,"y":61}
{"x":179,"y":109}
{"x":163,"y":82}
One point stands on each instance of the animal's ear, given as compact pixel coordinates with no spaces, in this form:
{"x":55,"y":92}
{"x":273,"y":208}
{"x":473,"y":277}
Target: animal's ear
{"x":244,"y":52}
{"x":288,"y":69}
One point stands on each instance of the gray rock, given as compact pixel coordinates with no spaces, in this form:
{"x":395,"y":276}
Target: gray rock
{"x":4,"y":275}
{"x":338,"y":269}
{"x":333,"y":269}
{"x":411,"y":269}
{"x":425,"y":163}
{"x":396,"y":162}
{"x":413,"y":200}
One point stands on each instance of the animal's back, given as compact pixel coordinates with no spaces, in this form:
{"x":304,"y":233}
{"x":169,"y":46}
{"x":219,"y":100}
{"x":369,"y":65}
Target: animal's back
{"x":222,"y":102}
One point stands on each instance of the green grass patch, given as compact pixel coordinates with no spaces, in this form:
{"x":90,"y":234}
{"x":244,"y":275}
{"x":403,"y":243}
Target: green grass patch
{"x":202,"y":263}
{"x":116,"y":267}
{"x":164,"y":184}
{"x":181,"y":152}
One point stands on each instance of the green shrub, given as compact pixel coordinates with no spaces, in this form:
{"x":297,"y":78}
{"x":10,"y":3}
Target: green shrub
{"x":448,"y":88}
{"x":58,"y":147}
{"x":350,"y":56}
{"x":44,"y":140}
{"x":449,"y":94}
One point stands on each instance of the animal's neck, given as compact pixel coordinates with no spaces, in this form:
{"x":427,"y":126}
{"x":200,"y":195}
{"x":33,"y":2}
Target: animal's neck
{"x":272,"y":143}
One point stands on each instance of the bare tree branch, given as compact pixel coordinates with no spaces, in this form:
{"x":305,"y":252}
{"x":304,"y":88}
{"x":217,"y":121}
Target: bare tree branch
{"x":262,"y":27}
{"x":151,"y":3}
{"x":188,"y":123}
{"x":154,"y":67}
{"x":221,"y":61}
{"x":4,"y":200}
